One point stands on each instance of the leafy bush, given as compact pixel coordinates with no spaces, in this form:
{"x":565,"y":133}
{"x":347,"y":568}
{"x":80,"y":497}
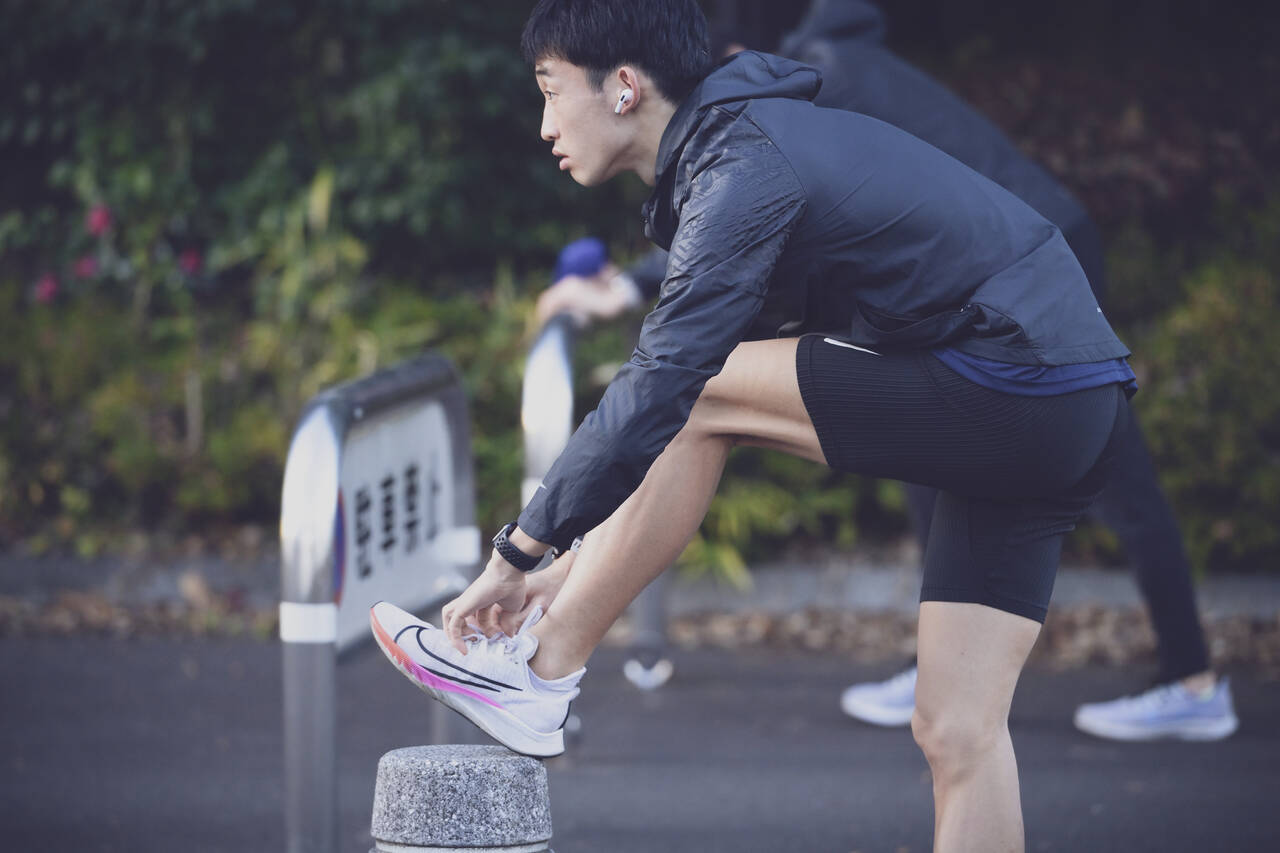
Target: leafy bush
{"x":221,"y":206}
{"x":214,"y":208}
{"x":1211,"y":403}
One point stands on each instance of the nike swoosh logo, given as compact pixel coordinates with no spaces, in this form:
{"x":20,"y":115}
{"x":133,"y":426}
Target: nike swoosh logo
{"x":462,"y":669}
{"x":850,"y":346}
{"x":453,"y":679}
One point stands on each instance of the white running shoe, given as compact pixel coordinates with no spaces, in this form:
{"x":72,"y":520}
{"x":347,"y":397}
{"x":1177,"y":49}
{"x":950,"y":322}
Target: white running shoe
{"x":491,"y":685}
{"x":1167,"y":711}
{"x":883,"y":703}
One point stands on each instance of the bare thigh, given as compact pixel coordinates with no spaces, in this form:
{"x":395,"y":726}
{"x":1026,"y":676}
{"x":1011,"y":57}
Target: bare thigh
{"x":755,"y":400}
{"x":970,"y":656}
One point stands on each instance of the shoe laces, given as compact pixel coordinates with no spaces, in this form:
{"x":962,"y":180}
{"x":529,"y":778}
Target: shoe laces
{"x":1156,"y":697}
{"x":510,"y":645}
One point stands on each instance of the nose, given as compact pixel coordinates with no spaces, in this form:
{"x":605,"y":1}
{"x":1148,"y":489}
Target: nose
{"x":549,"y":131}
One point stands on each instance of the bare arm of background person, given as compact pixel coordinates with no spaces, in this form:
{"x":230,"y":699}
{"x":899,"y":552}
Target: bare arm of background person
{"x":587,"y":299}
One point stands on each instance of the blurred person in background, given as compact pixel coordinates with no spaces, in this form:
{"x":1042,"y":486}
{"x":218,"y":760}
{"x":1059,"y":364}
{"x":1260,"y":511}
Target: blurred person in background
{"x":845,"y":39}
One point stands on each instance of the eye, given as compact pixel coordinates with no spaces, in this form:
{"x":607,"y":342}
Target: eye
{"x":549,"y":95}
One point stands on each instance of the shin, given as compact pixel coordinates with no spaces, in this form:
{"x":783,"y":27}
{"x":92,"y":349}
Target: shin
{"x":970,"y":656}
{"x":754,"y":400}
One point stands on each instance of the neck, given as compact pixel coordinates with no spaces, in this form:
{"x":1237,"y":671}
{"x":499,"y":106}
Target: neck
{"x":644,"y":150}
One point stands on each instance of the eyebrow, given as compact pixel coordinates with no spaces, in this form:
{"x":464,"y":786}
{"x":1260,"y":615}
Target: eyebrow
{"x":541,"y":72}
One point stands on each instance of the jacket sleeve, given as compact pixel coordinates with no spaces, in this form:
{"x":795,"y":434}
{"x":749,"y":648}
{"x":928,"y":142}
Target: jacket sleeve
{"x":733,"y":224}
{"x":649,"y":272}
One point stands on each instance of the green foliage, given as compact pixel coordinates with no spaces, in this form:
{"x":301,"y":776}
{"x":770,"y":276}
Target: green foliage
{"x":212,"y":209}
{"x":197,"y":119}
{"x":1211,"y":403}
{"x":224,"y":206}
{"x":766,"y":502}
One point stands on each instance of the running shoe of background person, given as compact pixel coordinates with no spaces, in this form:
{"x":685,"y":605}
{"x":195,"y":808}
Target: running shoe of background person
{"x":492,"y":685}
{"x":882,"y":703}
{"x":1166,"y":711}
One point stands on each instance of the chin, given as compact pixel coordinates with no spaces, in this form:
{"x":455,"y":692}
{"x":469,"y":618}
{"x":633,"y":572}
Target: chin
{"x":589,"y":178}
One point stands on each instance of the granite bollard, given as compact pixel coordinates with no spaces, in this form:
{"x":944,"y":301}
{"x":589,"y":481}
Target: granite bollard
{"x":458,"y":797}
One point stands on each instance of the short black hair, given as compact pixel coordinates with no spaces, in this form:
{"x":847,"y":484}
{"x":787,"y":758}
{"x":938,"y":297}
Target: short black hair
{"x":667,"y":39}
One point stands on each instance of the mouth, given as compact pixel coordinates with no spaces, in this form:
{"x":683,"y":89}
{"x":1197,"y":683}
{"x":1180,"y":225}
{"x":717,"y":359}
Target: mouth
{"x":564,"y":159}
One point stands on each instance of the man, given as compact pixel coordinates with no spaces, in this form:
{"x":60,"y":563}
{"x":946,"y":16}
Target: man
{"x":845,"y":40}
{"x":947,"y":336}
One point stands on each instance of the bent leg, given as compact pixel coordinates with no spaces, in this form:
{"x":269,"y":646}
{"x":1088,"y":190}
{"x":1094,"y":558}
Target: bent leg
{"x":754,"y":400}
{"x":970,"y":656}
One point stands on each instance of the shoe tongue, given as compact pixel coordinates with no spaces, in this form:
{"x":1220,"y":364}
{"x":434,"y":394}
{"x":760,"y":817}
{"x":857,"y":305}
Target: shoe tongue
{"x":529,"y":621}
{"x":527,"y":643}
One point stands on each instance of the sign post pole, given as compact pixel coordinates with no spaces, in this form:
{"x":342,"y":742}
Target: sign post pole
{"x":378,"y":504}
{"x":546,"y":415}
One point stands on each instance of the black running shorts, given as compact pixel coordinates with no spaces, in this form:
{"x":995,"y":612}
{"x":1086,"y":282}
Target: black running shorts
{"x":1014,"y":473}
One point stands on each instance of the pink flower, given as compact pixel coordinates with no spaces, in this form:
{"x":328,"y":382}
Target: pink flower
{"x":86,"y":267}
{"x":46,"y":289}
{"x":99,"y":220}
{"x":190,"y":261}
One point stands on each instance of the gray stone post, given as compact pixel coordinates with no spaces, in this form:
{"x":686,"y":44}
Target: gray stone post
{"x":432,"y":799}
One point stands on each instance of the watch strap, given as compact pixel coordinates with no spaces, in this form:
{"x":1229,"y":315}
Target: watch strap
{"x":513,"y":555}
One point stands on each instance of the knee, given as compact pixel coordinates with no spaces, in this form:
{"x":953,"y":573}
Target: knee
{"x":955,"y":739}
{"x":711,"y":416}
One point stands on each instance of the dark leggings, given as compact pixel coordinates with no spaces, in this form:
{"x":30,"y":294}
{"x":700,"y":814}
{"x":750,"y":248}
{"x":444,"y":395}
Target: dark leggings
{"x":1133,"y":505}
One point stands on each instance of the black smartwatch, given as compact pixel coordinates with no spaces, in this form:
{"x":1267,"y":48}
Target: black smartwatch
{"x":513,"y":555}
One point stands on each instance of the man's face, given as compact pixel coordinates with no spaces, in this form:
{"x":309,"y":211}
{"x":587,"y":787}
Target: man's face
{"x":578,"y":120}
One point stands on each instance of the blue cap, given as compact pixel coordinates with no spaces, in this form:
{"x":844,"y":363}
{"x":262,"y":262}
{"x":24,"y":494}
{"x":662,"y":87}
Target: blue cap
{"x":584,"y":257}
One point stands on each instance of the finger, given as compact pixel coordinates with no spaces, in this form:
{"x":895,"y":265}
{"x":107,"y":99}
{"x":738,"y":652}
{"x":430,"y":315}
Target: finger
{"x":511,"y":620}
{"x":455,"y":621}
{"x":488,"y":620}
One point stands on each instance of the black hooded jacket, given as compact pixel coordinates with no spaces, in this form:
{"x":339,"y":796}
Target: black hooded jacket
{"x":783,"y":218}
{"x":845,"y":39}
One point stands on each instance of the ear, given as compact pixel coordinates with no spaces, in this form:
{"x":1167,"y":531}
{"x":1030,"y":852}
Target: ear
{"x":628,"y":79}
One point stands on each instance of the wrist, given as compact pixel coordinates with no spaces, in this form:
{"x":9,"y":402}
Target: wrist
{"x":527,"y":543}
{"x":524,"y":559}
{"x":503,"y":570}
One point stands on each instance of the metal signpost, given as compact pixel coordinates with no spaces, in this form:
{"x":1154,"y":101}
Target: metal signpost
{"x":546,"y":414}
{"x":378,"y":504}
{"x":546,"y":401}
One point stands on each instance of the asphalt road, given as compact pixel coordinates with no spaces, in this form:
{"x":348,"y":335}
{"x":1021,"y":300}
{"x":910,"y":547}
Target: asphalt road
{"x":160,"y":745}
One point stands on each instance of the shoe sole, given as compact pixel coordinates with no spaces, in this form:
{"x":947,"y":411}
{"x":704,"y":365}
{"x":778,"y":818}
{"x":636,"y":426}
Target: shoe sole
{"x":494,"y":720}
{"x":648,"y":677}
{"x":1207,"y":731}
{"x":876,"y":715}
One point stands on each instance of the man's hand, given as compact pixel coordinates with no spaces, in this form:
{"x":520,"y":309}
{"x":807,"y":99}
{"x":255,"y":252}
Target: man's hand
{"x":586,"y":299}
{"x":500,"y":585}
{"x":541,"y":588}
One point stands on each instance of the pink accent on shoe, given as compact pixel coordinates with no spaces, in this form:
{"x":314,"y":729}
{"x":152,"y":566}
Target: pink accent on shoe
{"x":428,"y":678}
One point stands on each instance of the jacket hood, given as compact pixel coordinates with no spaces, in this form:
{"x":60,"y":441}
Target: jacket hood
{"x":746,"y":75}
{"x":837,"y":19}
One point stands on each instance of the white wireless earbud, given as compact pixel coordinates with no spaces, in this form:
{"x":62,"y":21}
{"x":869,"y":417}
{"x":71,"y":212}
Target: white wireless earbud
{"x":623,"y":100}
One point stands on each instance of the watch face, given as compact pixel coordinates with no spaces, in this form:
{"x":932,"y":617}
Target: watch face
{"x":511,"y":553}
